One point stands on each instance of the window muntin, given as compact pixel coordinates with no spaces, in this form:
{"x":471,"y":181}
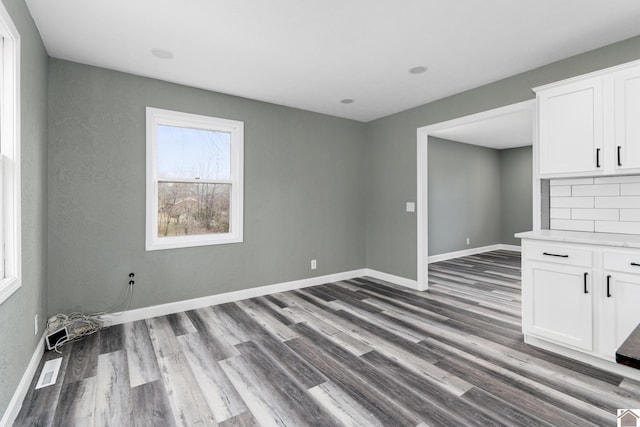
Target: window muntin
{"x":194,"y":180}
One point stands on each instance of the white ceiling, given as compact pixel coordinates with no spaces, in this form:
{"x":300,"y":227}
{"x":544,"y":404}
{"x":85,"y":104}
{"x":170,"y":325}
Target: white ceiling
{"x":510,"y":130}
{"x":312,"y":54}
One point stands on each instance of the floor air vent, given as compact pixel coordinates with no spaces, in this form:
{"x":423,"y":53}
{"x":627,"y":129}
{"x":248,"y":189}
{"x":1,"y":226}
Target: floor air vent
{"x":49,"y":373}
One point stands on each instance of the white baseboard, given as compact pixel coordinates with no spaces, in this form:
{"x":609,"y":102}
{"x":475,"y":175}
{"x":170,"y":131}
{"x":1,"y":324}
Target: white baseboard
{"x":409,"y":283}
{"x":192,"y":304}
{"x":13,"y":409}
{"x":513,"y":248}
{"x":472,"y":251}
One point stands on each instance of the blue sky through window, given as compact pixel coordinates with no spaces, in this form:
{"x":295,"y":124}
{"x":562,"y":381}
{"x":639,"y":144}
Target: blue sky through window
{"x":187,"y":153}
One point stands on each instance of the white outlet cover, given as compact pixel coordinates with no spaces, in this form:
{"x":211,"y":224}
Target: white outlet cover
{"x":411,"y":207}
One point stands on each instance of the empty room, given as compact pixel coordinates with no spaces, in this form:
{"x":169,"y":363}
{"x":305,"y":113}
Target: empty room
{"x":356,"y":213}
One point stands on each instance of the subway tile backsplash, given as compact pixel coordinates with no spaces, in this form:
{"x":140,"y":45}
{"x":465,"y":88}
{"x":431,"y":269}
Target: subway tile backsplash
{"x":601,"y":205}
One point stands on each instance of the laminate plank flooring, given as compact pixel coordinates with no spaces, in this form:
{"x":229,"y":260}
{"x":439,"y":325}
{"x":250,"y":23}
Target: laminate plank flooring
{"x":360,"y":352}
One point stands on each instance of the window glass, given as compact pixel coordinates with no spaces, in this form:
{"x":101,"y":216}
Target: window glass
{"x":188,"y":208}
{"x":193,"y":153}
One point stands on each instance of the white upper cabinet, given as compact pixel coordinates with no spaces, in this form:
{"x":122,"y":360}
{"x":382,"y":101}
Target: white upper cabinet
{"x":571,"y":128}
{"x":590,"y":125}
{"x":627,"y":119}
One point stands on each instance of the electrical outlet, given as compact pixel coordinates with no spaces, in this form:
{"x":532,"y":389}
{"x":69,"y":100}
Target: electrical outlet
{"x":314,"y":265}
{"x":468,"y":242}
{"x":35,"y":325}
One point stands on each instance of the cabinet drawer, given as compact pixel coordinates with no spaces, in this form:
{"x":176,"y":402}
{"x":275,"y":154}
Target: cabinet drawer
{"x":623,"y":262}
{"x":566,"y":255}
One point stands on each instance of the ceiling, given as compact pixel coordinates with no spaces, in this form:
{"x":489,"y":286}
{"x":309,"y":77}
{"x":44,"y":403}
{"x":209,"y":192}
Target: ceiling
{"x":509,"y":130}
{"x":313,"y":54}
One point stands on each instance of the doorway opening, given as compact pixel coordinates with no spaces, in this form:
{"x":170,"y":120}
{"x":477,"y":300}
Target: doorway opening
{"x":501,"y":128}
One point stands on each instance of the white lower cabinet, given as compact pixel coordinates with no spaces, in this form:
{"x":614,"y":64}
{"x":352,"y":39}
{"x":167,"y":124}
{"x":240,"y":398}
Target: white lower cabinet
{"x":558,"y":303}
{"x":621,"y":302}
{"x":584,"y":297}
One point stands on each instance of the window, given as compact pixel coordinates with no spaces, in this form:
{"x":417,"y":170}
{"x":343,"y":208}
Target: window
{"x":194,"y":180}
{"x":10,"y":234}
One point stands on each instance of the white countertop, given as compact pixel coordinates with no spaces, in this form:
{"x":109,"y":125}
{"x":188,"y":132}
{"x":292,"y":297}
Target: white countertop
{"x":606,"y":239}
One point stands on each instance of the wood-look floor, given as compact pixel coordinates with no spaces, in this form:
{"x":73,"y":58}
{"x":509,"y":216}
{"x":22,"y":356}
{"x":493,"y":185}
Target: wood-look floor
{"x":356,"y":353}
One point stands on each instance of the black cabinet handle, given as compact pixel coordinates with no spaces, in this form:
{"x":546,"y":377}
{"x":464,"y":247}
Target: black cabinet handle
{"x":619,"y":161}
{"x":609,"y":286}
{"x":635,"y":264}
{"x":597,"y":157}
{"x":558,"y":255}
{"x":586,"y":291}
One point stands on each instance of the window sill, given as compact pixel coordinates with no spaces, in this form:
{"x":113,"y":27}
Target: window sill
{"x":8,"y":287}
{"x":177,"y":243}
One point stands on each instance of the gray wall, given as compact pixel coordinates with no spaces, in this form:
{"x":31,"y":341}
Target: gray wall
{"x":516,"y":193}
{"x":304,"y":193}
{"x":464,"y":196}
{"x":17,"y":313}
{"x":391,"y":151}
{"x":477,"y":192}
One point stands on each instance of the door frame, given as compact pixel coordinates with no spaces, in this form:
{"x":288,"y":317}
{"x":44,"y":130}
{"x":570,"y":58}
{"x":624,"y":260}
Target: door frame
{"x":423,"y":184}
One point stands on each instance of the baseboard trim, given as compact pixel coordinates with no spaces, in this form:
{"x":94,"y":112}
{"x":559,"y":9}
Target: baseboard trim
{"x":409,"y":283}
{"x":13,"y":409}
{"x":513,"y":248}
{"x":472,"y":251}
{"x":192,"y":304}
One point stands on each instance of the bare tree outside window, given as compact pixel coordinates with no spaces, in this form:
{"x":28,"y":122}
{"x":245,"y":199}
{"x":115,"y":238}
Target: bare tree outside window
{"x":194,"y":188}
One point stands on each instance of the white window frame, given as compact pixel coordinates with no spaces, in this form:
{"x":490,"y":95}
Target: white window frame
{"x":156,"y":117}
{"x":10,"y":219}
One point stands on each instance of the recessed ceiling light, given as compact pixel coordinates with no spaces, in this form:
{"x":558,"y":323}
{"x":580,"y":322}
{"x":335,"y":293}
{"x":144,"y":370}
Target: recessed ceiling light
{"x":418,"y":70}
{"x":161,"y":53}
{"x":347,"y":101}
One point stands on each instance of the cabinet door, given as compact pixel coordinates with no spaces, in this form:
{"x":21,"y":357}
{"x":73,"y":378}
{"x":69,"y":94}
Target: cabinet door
{"x":627,"y":119}
{"x":571,"y":129}
{"x":620,"y":310}
{"x":557,"y":303}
